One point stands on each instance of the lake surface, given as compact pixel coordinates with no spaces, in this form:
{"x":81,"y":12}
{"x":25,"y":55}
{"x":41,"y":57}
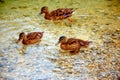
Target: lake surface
{"x":94,"y":20}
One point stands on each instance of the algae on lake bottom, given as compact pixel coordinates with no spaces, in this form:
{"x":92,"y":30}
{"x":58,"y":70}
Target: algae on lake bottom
{"x":95,"y":20}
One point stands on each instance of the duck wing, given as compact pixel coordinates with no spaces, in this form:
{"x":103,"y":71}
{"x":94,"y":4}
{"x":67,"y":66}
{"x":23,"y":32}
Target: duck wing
{"x":34,"y":35}
{"x":72,"y":40}
{"x":66,"y":12}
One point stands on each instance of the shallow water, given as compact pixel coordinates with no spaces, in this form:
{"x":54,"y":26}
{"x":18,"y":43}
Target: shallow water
{"x":96,"y":20}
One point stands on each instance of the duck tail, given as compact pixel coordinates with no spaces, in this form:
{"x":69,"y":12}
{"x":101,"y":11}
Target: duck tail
{"x":89,"y":42}
{"x":85,"y":43}
{"x":42,"y":32}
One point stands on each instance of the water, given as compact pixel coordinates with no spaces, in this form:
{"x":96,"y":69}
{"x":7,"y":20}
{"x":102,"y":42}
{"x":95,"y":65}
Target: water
{"x":96,"y":20}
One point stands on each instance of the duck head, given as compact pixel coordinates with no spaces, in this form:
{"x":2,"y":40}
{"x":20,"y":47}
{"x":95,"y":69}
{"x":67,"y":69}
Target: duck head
{"x":62,"y":39}
{"x":44,"y":10}
{"x":21,"y":36}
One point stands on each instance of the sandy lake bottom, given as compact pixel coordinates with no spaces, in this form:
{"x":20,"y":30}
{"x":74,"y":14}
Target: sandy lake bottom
{"x":94,"y":20}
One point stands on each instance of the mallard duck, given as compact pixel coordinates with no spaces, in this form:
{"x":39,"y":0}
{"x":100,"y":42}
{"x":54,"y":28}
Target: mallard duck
{"x":72,"y":44}
{"x":57,"y":14}
{"x":30,"y":38}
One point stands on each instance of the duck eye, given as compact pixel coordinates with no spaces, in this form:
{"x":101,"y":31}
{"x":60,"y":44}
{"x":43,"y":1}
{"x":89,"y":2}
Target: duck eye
{"x":44,"y":8}
{"x":61,"y":38}
{"x":21,"y":34}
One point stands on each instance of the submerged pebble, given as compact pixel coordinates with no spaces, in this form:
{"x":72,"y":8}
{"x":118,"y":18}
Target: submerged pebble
{"x":46,"y":61}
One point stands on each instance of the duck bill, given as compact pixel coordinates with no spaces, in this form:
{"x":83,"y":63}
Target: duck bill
{"x":39,"y":13}
{"x":57,"y":43}
{"x":19,"y":40}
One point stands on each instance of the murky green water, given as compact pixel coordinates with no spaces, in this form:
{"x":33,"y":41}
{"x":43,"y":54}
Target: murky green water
{"x":94,"y":20}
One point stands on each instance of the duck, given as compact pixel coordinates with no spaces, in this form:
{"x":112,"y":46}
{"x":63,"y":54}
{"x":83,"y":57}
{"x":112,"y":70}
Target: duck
{"x":30,"y":38}
{"x":58,"y":14}
{"x":72,"y":44}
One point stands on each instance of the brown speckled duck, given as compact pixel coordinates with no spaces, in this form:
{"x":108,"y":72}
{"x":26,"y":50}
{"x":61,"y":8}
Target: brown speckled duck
{"x":72,"y":44}
{"x":30,"y":38}
{"x":57,"y":14}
